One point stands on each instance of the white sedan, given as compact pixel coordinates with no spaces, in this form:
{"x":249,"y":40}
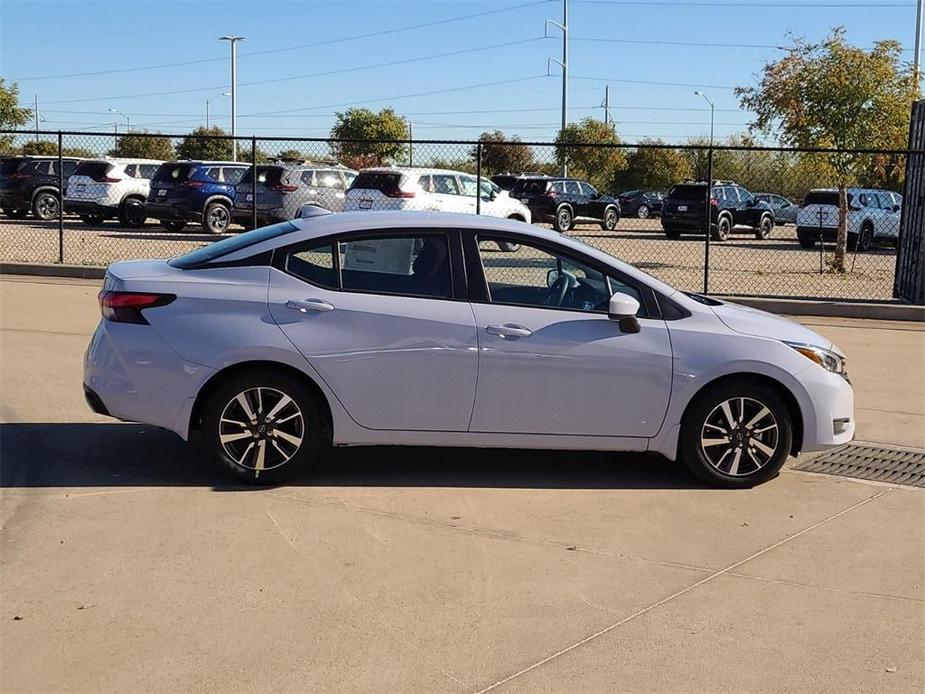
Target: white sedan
{"x":418,"y":329}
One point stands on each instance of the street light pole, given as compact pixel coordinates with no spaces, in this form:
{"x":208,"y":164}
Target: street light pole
{"x":917,"y":58}
{"x":233,"y":40}
{"x":128,"y":124}
{"x":708,"y":211}
{"x":564,"y":65}
{"x":207,"y":114}
{"x":36,"y":117}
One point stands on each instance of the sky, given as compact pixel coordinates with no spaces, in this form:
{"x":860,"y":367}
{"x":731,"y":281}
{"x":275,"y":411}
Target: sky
{"x":158,"y":63}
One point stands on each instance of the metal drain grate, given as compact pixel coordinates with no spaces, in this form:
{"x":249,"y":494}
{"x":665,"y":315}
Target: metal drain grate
{"x":871,"y":462}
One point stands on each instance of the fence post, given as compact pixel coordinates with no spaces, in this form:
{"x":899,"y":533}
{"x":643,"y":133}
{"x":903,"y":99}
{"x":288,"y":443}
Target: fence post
{"x":60,"y":202}
{"x":254,"y":177}
{"x":708,"y":218}
{"x":478,"y":178}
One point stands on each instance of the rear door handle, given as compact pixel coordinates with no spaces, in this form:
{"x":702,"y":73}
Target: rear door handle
{"x":306,"y":305}
{"x":509,"y":330}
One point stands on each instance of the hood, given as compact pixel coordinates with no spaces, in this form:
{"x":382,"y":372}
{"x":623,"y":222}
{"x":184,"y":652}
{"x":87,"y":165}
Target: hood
{"x":752,"y":321}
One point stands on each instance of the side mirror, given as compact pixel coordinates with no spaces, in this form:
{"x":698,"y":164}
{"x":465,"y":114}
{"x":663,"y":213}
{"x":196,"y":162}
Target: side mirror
{"x":897,"y":208}
{"x":752,"y":203}
{"x":623,"y":309}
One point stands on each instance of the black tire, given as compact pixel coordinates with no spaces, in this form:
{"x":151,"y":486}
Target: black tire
{"x":45,"y":206}
{"x":216,"y":218}
{"x":173,"y":225}
{"x":807,"y":239}
{"x":92,"y":219}
{"x":852,"y":242}
{"x":723,"y":227}
{"x":672,"y":232}
{"x":740,"y":459}
{"x":300,"y":420}
{"x":15,"y":213}
{"x":643,"y":212}
{"x":564,"y":219}
{"x":132,"y":213}
{"x":866,"y":237}
{"x":765,"y":225}
{"x":611,"y":218}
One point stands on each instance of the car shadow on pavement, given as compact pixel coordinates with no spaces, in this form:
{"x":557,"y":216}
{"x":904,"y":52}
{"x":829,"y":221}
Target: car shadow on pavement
{"x":134,"y":455}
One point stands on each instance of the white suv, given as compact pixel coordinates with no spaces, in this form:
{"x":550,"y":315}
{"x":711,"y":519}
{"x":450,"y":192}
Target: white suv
{"x":397,"y":188}
{"x":872,"y":214}
{"x":101,"y":189}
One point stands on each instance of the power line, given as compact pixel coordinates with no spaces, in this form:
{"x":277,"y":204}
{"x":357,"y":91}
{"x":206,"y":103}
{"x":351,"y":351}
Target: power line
{"x":711,"y":3}
{"x":693,"y":44}
{"x":269,"y":51}
{"x":653,"y":82}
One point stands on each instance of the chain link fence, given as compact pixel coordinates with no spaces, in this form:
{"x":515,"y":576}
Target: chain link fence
{"x":772,"y":220}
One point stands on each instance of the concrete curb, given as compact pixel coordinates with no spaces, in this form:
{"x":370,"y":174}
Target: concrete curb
{"x":790,"y":307}
{"x":79,"y":271}
{"x":835,"y":309}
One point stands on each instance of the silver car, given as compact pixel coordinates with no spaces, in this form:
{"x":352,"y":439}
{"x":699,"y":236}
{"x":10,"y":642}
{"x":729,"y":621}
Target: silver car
{"x":282,"y":189}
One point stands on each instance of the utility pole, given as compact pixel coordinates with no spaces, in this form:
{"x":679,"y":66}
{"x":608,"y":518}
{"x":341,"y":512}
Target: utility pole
{"x":233,"y":40}
{"x":36,"y":114}
{"x":410,"y":143}
{"x":207,"y":114}
{"x":564,"y":65}
{"x":917,"y":59}
{"x":606,"y":105}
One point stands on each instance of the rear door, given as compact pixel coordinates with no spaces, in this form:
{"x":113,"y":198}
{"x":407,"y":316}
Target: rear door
{"x":169,"y":185}
{"x":383,"y":320}
{"x":820,"y":209}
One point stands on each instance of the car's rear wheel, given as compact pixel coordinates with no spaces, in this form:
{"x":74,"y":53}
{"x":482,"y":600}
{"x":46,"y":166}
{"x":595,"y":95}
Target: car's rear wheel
{"x":45,"y":206}
{"x":216,"y":218}
{"x":736,"y":434}
{"x":173,"y":225}
{"x":92,"y":219}
{"x":866,"y":237}
{"x":132,"y":213}
{"x":643,"y":212}
{"x":765,"y":225}
{"x":611,"y":217}
{"x":807,"y":239}
{"x":564,"y":219}
{"x":720,"y":232}
{"x":263,"y":426}
{"x":672,"y":232}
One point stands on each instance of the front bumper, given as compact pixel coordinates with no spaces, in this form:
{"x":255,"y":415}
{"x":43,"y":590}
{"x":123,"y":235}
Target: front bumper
{"x":88,"y":207}
{"x":828,"y":412}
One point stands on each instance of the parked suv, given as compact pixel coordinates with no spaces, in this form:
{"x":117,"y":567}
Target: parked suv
{"x":730,"y":206}
{"x":563,"y":202}
{"x":440,"y":190}
{"x":872,"y":214}
{"x":31,"y":184}
{"x":195,"y":191}
{"x":100,"y":189}
{"x":506,"y":181}
{"x":641,"y":203}
{"x":282,"y":189}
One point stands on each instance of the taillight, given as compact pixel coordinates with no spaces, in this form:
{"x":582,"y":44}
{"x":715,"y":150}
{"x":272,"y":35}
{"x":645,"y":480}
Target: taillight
{"x":106,"y":179}
{"x":714,"y":202}
{"x":283,"y":188}
{"x":398,"y":193}
{"x":126,"y":307}
{"x":192,"y":184}
{"x":18,"y":176}
{"x":550,"y":194}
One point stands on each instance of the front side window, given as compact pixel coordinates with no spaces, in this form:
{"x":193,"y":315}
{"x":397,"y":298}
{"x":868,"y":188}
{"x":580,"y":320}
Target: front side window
{"x":469,"y":185}
{"x":571,"y":187}
{"x":588,"y":189}
{"x":537,"y":277}
{"x":330,"y":179}
{"x":445,"y":184}
{"x":406,"y":265}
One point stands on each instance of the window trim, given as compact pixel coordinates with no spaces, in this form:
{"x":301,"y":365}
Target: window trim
{"x":458,"y":291}
{"x":478,"y":284}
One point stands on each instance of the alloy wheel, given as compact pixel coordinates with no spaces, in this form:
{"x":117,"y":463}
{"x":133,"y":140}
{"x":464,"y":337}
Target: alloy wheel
{"x":47,"y":207}
{"x":610,"y":219}
{"x":739,"y":436}
{"x":218,"y":218}
{"x":261,"y":429}
{"x":643,"y":212}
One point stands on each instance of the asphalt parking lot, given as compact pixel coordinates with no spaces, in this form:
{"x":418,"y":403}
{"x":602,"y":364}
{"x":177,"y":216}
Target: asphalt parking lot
{"x":130,"y":564}
{"x":742,"y":265}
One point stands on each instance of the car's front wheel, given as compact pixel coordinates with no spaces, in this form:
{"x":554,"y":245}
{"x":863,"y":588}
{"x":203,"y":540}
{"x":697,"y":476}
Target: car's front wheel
{"x":765,"y":225}
{"x":45,"y":206}
{"x":736,"y":434}
{"x":611,"y":217}
{"x":264,"y":427}
{"x":216,"y":218}
{"x":643,"y":212}
{"x":564,"y":219}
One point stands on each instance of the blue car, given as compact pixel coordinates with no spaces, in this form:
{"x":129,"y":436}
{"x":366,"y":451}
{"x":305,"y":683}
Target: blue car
{"x":195,"y":191}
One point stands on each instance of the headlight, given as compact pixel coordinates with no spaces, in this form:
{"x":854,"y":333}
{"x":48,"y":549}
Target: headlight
{"x":827,"y":359}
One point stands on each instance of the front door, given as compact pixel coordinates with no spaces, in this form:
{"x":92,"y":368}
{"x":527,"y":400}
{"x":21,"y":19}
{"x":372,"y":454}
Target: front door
{"x":379,"y":323}
{"x":551,"y":361}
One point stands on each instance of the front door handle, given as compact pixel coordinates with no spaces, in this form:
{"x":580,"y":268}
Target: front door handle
{"x":509,"y":330}
{"x":306,"y":305}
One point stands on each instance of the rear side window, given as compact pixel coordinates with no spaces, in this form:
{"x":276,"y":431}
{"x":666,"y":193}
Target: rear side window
{"x":529,"y":186}
{"x":234,"y":243}
{"x":214,"y":173}
{"x":314,"y":265}
{"x":330,"y":179}
{"x":93,"y":169}
{"x":687,"y":192}
{"x":375,"y":180}
{"x":174,"y":172}
{"x":233,"y":175}
{"x":147,"y":170}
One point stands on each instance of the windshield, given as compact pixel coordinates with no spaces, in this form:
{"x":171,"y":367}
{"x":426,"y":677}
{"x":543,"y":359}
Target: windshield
{"x":215,"y":250}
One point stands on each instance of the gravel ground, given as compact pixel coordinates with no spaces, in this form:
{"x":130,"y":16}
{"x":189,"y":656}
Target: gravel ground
{"x":741,"y":266}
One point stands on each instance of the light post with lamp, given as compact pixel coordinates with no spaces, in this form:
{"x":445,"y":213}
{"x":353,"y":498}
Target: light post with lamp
{"x":708,"y":211}
{"x":233,"y":40}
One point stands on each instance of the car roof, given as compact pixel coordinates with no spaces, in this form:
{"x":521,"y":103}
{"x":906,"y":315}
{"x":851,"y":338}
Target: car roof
{"x":329,"y":224}
{"x":207,"y":161}
{"x":124,"y":160}
{"x":419,"y":170}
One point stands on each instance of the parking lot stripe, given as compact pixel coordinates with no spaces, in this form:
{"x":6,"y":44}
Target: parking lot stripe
{"x":679,"y":593}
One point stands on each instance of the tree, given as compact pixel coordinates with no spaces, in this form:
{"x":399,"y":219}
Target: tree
{"x":12,"y":116}
{"x":144,"y":146}
{"x":595,"y":164}
{"x":500,"y":154}
{"x":202,"y":144}
{"x":45,"y":148}
{"x":653,"y":168}
{"x":831,"y":94}
{"x":291,"y":155}
{"x":374,"y":135}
